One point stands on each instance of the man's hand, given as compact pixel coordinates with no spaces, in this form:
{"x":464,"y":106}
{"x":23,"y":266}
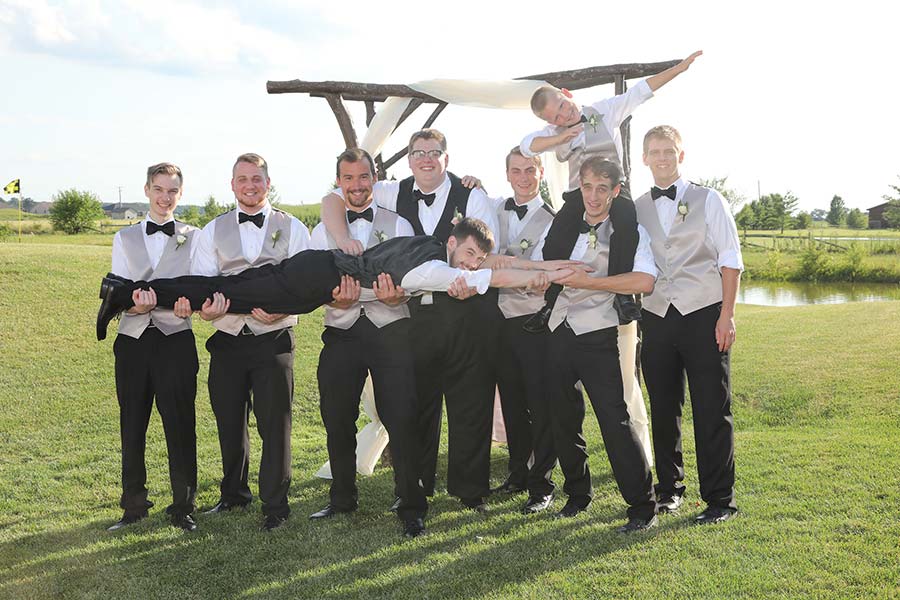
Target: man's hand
{"x":470,"y":181}
{"x":555,"y":265}
{"x":569,"y":134}
{"x":182,"y":308}
{"x":540,"y":282}
{"x":460,"y":290}
{"x":346,"y":294}
{"x":683,"y":65}
{"x":725,"y":332}
{"x":263,"y":317}
{"x":387,"y":292}
{"x":215,"y":308}
{"x":576,"y":278}
{"x":350,"y":246}
{"x":144,"y":301}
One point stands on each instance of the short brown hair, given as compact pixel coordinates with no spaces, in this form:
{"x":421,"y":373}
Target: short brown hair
{"x":516,"y":151}
{"x":253,"y":159}
{"x":540,"y":97}
{"x":354,"y":155}
{"x":662,"y":132}
{"x":602,"y":167}
{"x":477,"y":230}
{"x":428,"y":134}
{"x":164,"y":168}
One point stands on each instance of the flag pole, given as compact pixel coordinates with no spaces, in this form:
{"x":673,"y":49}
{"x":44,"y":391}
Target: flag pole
{"x":20,"y":215}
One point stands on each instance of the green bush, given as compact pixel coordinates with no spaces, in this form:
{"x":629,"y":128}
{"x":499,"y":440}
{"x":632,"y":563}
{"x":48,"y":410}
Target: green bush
{"x":74,"y":211}
{"x":815,"y":263}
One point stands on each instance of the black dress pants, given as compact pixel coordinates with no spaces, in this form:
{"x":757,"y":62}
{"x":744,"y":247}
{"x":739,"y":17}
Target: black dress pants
{"x":524,"y":398}
{"x":673,"y":346}
{"x":346,"y":359}
{"x":253,"y":371}
{"x":594,"y":359}
{"x":164,"y":367}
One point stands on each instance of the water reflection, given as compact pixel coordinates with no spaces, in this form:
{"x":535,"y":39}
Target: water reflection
{"x":787,"y":293}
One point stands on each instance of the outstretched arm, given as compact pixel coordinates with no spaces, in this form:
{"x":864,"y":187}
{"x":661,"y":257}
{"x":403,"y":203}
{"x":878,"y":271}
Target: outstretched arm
{"x":660,"y":79}
{"x":515,"y":278}
{"x":333,"y":214}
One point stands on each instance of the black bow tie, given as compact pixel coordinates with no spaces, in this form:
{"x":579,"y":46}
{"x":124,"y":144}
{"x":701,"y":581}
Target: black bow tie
{"x":521,"y":211}
{"x":583,"y":119}
{"x":168,"y":228}
{"x":669,"y":192}
{"x":585,"y":228}
{"x":428,"y":198}
{"x":256,"y":219}
{"x":367,"y":214}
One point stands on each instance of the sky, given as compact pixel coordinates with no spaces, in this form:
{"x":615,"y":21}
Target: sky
{"x":787,"y":96}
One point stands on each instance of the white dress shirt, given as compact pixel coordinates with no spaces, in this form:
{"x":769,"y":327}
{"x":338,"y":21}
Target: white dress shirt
{"x":437,"y":275}
{"x":515,"y":224}
{"x":155,"y":245}
{"x":614,"y":110}
{"x":360,"y":230}
{"x":721,"y":230}
{"x":252,"y":239}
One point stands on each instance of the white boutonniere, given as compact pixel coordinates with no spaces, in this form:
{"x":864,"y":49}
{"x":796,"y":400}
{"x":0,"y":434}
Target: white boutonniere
{"x":180,"y":240}
{"x":592,"y":238}
{"x":682,"y":210}
{"x":593,"y":121}
{"x":524,"y":245}
{"x":457,"y":216}
{"x":275,"y":237}
{"x":380,"y":235}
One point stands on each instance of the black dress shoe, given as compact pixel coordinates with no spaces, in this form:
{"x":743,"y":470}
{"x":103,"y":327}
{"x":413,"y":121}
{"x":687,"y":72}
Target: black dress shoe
{"x":627,"y":309}
{"x":396,"y":505}
{"x":108,"y":309}
{"x":413,"y":527}
{"x":536,"y":504}
{"x":126,"y":520}
{"x":537,"y":322}
{"x":508,"y":487}
{"x":273,"y":522}
{"x":328,"y":512}
{"x":572,"y":508}
{"x":224,"y":506}
{"x":669,"y":503}
{"x":637,"y":524}
{"x":185,"y":522}
{"x":476,"y":504}
{"x":714,"y":514}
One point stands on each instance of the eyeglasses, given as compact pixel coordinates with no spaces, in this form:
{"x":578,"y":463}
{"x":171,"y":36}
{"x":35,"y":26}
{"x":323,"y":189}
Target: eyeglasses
{"x":420,"y":154}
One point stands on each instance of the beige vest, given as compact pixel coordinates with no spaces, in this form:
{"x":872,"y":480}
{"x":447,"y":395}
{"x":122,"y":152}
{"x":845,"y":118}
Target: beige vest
{"x":230,"y":257}
{"x":517,"y":302}
{"x":597,"y":142}
{"x":175,"y":261}
{"x":384,"y":227}
{"x":687,"y":262}
{"x":589,"y":310}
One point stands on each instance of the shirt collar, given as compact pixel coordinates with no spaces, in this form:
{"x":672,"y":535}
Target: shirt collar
{"x":148,"y":219}
{"x":265,"y":210}
{"x":373,"y":205}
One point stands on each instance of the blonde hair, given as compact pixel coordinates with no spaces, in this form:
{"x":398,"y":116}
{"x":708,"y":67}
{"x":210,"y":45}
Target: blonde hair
{"x":662,"y":132}
{"x":516,"y":151}
{"x":253,"y":159}
{"x":164,"y":168}
{"x":541,"y":97}
{"x":428,"y":134}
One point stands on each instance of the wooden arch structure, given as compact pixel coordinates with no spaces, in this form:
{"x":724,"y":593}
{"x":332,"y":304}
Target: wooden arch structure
{"x":336,"y":92}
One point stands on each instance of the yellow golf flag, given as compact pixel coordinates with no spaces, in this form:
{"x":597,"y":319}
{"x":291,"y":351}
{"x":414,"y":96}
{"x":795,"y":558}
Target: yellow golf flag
{"x":12,"y":187}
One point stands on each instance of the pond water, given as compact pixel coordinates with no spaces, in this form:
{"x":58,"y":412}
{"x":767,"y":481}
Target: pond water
{"x":789,"y":293}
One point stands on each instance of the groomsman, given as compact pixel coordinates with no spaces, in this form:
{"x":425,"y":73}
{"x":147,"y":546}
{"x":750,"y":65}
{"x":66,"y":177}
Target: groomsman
{"x":688,"y":326}
{"x":251,"y":356}
{"x":583,"y":345}
{"x":365,"y":335}
{"x":452,"y":361}
{"x":155,"y":352}
{"x":576,"y":133}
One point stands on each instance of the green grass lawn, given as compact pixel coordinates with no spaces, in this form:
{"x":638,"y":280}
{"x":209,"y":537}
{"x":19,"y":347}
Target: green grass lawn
{"x":817,"y":411}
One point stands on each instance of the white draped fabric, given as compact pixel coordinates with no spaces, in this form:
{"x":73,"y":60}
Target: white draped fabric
{"x":509,"y":94}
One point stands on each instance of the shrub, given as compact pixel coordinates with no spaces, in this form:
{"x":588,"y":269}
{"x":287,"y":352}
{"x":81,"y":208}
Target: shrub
{"x":74,"y":211}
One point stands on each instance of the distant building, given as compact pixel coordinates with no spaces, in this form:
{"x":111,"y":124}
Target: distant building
{"x":876,"y":216}
{"x":41,"y":208}
{"x":117,"y":211}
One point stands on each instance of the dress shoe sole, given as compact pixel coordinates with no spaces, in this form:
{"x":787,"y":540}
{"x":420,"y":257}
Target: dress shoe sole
{"x":714,"y":521}
{"x":215,"y":510}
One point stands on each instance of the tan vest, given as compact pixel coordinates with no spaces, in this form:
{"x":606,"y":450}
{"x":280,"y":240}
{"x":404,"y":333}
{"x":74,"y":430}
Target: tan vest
{"x":589,"y":310}
{"x":689,"y":277}
{"x":517,"y":302}
{"x":384,"y":227}
{"x":597,"y":142}
{"x":175,"y":261}
{"x":230,"y":257}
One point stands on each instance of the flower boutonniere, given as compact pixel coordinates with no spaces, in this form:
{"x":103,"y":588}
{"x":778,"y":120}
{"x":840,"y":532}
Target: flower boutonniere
{"x":180,"y":240}
{"x":593,"y":121}
{"x":682,"y":210}
{"x":457,"y":216}
{"x":524,"y":245}
{"x":275,"y":237}
{"x":592,"y":238}
{"x":380,"y":235}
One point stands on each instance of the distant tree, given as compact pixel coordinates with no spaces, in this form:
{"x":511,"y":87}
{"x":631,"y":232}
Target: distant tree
{"x":211,"y":210}
{"x":803,"y":221}
{"x":544,"y":191}
{"x":190,"y":215}
{"x":28,"y":204}
{"x":837,"y":214}
{"x":784,"y":208}
{"x":895,"y":194}
{"x":734,"y":198}
{"x":746,"y":218}
{"x":857,"y":219}
{"x":819,"y":214}
{"x":74,"y":211}
{"x":273,"y":196}
{"x":892,"y":214}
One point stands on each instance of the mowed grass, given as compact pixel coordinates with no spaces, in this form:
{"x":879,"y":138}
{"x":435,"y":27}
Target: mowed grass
{"x":817,"y":411}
